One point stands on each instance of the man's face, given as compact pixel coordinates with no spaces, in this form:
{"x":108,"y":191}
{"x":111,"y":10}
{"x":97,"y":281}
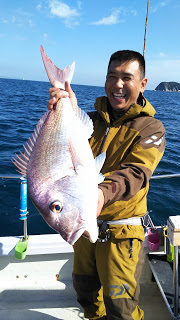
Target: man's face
{"x":123,"y":84}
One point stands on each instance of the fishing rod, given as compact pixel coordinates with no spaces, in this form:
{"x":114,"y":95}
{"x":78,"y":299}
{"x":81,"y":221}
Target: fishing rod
{"x":145,"y":29}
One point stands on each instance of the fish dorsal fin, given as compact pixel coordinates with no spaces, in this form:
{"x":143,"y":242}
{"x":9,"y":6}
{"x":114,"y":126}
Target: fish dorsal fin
{"x":56,"y":76}
{"x":99,"y":161}
{"x":21,"y":161}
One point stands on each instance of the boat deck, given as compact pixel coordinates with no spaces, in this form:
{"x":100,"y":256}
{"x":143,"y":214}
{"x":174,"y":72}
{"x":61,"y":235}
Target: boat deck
{"x":163,"y":273}
{"x":43,"y":305}
{"x":40,"y":286}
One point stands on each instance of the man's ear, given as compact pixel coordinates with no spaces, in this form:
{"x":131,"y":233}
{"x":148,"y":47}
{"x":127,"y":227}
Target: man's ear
{"x":143,"y":84}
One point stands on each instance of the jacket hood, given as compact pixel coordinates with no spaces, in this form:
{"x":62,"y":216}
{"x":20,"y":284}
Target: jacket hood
{"x":101,"y":105}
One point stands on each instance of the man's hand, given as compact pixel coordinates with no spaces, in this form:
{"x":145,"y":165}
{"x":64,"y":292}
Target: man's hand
{"x":100,"y":202}
{"x":56,"y":94}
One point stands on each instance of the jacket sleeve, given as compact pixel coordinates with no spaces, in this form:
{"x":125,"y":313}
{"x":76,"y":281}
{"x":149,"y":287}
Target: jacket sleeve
{"x":138,"y":166}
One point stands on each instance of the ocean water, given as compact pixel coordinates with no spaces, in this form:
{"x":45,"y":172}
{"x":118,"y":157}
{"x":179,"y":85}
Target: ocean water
{"x":22,"y":103}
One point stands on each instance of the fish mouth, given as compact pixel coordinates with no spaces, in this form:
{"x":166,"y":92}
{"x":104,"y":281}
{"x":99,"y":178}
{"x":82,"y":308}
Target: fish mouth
{"x":73,"y":237}
{"x":89,"y":235}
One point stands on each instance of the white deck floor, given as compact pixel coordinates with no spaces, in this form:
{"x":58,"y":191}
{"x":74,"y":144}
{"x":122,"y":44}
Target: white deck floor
{"x":40,"y":287}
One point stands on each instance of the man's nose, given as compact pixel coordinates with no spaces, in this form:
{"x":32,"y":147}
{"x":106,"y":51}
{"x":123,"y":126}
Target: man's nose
{"x":119,"y":83}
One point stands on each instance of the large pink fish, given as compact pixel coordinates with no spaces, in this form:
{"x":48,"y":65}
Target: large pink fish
{"x":62,"y":174}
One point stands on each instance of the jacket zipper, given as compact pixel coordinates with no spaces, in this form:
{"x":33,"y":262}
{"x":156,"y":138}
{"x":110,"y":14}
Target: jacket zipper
{"x":104,"y":139}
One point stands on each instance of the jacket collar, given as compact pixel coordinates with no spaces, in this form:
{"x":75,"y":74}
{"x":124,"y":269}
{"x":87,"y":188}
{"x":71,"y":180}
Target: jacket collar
{"x":146,"y":109}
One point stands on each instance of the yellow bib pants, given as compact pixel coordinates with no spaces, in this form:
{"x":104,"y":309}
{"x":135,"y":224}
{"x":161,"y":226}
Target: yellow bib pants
{"x":106,"y":278}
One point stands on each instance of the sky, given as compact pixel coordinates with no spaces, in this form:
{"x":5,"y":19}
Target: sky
{"x":88,"y":32}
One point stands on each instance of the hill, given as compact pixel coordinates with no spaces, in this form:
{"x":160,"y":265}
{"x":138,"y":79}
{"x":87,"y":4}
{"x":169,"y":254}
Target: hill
{"x":168,"y":86}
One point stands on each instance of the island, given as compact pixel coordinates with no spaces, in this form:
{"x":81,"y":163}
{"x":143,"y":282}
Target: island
{"x":168,"y":86}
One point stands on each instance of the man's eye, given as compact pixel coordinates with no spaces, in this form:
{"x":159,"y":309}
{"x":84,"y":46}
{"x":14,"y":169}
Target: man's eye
{"x":126,"y":78}
{"x":110,"y":78}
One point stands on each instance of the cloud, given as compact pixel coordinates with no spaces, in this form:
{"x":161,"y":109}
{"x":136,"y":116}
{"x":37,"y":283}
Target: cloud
{"x":30,"y":22}
{"x":15,"y":20}
{"x":45,"y":36}
{"x":134,"y":12}
{"x":39,"y":6}
{"x":114,"y":17}
{"x":9,"y":20}
{"x":160,"y":5}
{"x":65,"y":12}
{"x":20,"y":38}
{"x":62,"y":10}
{"x":79,"y":4}
{"x":4,"y":21}
{"x":20,"y":18}
{"x":47,"y":39}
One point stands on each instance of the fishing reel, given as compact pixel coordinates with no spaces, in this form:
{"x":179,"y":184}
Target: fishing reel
{"x":104,"y":232}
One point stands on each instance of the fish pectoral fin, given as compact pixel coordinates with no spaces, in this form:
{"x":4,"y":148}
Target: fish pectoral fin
{"x":76,"y":162}
{"x":100,"y":178}
{"x":99,"y":161}
{"x":86,"y":122}
{"x":56,"y":76}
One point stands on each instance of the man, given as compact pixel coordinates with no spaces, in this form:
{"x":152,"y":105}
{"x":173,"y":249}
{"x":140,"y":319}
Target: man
{"x":106,"y":274}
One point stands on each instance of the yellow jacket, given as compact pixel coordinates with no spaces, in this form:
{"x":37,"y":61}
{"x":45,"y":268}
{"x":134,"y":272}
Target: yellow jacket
{"x":134,"y":144}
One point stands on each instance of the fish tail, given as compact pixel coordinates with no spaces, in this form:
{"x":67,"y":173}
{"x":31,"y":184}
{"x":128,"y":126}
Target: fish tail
{"x":56,"y":76}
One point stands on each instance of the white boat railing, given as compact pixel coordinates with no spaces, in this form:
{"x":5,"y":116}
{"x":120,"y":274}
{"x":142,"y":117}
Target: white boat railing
{"x":166,"y":176}
{"x":163,"y":176}
{"x":23,"y":193}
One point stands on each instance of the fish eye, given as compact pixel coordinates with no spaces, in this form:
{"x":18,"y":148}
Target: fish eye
{"x":56,"y":206}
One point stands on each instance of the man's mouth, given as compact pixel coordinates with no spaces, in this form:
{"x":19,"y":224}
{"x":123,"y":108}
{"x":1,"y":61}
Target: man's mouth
{"x":119,"y":96}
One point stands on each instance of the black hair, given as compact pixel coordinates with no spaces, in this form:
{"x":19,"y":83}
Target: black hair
{"x":129,"y":55}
